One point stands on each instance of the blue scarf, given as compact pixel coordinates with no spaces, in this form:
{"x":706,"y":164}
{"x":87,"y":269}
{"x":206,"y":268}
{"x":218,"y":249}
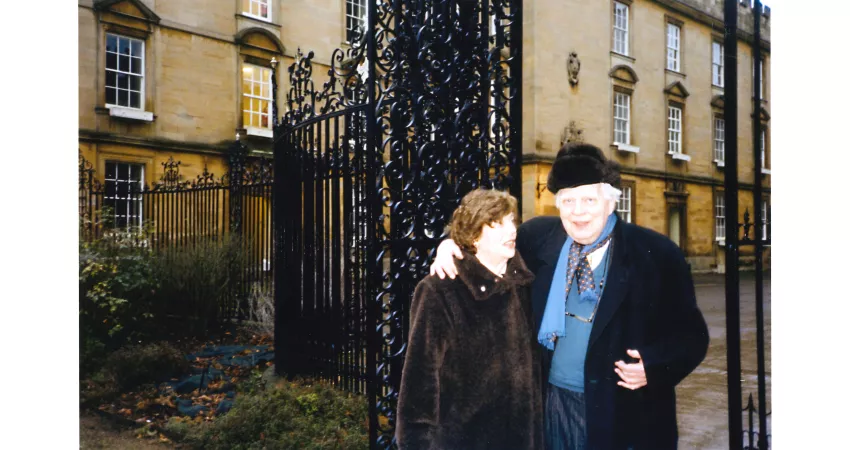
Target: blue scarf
{"x":554,"y":316}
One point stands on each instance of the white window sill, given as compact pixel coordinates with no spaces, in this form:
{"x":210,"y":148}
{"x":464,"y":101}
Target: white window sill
{"x":719,"y":163}
{"x":264,"y":19}
{"x":130,"y":113}
{"x":627,"y":148}
{"x":765,"y":171}
{"x":262,"y":132}
{"x":721,"y":242}
{"x":679,"y":156}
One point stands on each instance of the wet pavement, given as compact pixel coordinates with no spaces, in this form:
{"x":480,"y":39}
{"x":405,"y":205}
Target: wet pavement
{"x":702,"y":397}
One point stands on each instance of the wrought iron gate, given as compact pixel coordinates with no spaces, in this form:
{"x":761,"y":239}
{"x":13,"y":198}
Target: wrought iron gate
{"x":733,"y":242}
{"x":421,"y":109}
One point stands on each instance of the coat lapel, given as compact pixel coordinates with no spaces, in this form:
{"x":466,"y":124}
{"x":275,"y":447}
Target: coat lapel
{"x":617,"y":288}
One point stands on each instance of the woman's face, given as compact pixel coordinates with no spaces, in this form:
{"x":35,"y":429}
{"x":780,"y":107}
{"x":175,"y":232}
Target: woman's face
{"x":498,"y":240}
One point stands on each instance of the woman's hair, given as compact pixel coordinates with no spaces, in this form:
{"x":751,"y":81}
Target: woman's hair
{"x":478,"y":208}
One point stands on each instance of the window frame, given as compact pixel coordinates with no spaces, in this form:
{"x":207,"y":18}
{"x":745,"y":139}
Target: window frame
{"x":719,"y":220}
{"x":248,"y":13}
{"x":627,"y":119}
{"x":348,"y":32}
{"x":716,"y":80}
{"x":129,"y":198}
{"x":627,"y":186}
{"x":671,"y":107}
{"x":116,"y":70}
{"x":250,"y":129}
{"x":622,"y":6}
{"x":715,"y":120}
{"x":677,"y":60}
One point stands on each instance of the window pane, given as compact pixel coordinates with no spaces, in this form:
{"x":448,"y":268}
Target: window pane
{"x":135,"y":83}
{"x":111,"y":61}
{"x":110,"y":96}
{"x":124,"y":46}
{"x":136,"y":65}
{"x":124,"y":63}
{"x":110,"y":78}
{"x":135,"y":100}
{"x":136,"y":48}
{"x":111,"y":43}
{"x":123,"y":81}
{"x":123,"y":98}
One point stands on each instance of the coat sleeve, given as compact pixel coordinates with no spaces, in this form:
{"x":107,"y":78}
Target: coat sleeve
{"x":683,"y":340}
{"x":419,"y":395}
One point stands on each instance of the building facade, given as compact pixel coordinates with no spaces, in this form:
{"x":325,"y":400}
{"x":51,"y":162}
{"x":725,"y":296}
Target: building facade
{"x":642,"y":79}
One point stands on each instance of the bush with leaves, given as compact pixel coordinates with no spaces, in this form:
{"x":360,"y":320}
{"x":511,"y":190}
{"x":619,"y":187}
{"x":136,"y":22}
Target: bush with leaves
{"x":134,"y":365}
{"x":117,"y":289}
{"x":198,"y":280}
{"x":291,"y":414}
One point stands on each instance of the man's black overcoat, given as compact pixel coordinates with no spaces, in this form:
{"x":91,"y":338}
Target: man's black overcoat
{"x":648,"y":304}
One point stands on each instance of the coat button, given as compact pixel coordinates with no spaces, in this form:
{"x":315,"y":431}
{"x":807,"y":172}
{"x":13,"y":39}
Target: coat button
{"x":483,"y":289}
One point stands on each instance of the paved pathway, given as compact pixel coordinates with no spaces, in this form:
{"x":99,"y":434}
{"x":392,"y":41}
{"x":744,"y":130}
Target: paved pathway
{"x":702,"y":396}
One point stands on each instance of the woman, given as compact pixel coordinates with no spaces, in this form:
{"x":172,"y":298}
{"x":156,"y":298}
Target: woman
{"x":470,"y":380}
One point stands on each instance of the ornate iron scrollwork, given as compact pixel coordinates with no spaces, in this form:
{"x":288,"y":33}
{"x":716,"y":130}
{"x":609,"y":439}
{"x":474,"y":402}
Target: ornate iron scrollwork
{"x":440,"y":117}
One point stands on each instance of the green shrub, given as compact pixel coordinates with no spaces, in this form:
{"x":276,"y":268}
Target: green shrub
{"x":117,"y":288}
{"x":139,"y":364}
{"x":198,"y":280}
{"x":290,"y":415}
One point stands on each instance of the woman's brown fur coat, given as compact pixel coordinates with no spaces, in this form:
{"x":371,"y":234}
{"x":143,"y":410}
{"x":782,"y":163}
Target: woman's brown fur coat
{"x":471,"y":376}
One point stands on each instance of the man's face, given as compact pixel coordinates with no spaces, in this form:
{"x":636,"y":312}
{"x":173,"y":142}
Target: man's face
{"x":584,"y":211}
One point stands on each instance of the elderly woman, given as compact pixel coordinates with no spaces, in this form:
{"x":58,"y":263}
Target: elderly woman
{"x":470,"y":380}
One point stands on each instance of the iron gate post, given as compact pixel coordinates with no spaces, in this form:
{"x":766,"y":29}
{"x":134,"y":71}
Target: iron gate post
{"x":733,"y":320}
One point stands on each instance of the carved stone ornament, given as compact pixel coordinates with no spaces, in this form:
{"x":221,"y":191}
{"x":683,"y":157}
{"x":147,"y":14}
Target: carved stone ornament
{"x":573,"y":66}
{"x":572,"y":133}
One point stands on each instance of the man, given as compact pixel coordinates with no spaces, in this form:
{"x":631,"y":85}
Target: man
{"x":615,"y":309}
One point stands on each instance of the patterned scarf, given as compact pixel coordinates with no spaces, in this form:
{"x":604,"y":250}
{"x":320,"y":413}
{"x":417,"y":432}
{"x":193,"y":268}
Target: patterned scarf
{"x":573,"y":258}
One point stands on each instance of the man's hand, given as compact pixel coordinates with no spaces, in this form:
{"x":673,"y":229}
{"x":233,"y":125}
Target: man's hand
{"x":443,"y":263}
{"x":633,"y":375}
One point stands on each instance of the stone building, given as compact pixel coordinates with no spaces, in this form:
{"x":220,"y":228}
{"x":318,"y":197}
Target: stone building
{"x":642,"y":79}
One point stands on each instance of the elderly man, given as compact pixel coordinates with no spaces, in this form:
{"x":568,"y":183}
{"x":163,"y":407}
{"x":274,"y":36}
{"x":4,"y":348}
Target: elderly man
{"x":614,"y":306}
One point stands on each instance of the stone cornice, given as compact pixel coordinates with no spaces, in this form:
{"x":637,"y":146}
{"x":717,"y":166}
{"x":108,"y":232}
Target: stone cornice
{"x":154,"y":143}
{"x":711,"y":21}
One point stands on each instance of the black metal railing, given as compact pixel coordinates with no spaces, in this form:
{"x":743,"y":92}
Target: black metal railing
{"x":174,"y":213}
{"x":420,"y":110}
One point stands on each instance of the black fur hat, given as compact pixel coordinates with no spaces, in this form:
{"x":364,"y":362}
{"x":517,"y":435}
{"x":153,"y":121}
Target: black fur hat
{"x":580,"y":164}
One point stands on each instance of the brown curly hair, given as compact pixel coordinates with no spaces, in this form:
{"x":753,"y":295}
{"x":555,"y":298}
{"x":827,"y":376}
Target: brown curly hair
{"x":478,"y":208}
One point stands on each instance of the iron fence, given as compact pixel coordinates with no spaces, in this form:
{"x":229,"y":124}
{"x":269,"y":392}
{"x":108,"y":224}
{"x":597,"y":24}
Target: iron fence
{"x":174,"y":214}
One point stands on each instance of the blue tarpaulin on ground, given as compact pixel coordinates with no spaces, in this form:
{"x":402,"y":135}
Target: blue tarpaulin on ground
{"x":200,"y":378}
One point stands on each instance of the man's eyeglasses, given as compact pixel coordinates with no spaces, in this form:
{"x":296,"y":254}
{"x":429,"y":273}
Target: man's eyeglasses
{"x":583,"y":319}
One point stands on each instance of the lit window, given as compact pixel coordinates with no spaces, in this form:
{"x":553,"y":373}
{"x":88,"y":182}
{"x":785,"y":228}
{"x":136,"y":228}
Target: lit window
{"x":624,"y":205}
{"x":673,"y":33}
{"x":261,"y":9}
{"x":674,"y":129}
{"x":621,"y":28}
{"x":717,"y":64}
{"x":122,"y":193}
{"x":621,"y":118}
{"x":256,"y":97}
{"x":355,"y":13}
{"x":719,"y":140}
{"x":125,"y":67}
{"x":719,"y":216}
